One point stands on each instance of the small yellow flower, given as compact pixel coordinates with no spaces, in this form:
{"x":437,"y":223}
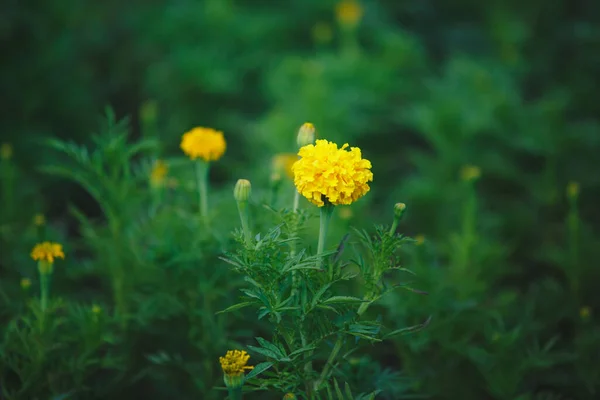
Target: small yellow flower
{"x":39,"y":220}
{"x":47,"y":251}
{"x":322,"y":32}
{"x":585,"y":312}
{"x":96,"y":309}
{"x":573,"y":189}
{"x":234,"y":362}
{"x":205,"y":143}
{"x":326,"y":173}
{"x":6,"y":151}
{"x":158,"y":173}
{"x":283,"y":162}
{"x":289,"y":396}
{"x":420,"y":239}
{"x":348,"y":12}
{"x":469,"y":173}
{"x":25,"y":283}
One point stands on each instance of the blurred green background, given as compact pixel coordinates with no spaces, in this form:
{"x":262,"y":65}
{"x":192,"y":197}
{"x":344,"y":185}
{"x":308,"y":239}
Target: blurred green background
{"x":423,"y":87}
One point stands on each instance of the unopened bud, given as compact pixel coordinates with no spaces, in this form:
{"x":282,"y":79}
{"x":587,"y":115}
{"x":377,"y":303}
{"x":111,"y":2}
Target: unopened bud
{"x":399,"y":209}
{"x":242,"y":190}
{"x":306,"y":134}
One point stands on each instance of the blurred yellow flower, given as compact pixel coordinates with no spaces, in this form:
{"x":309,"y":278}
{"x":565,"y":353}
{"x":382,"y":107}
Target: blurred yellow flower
{"x":585,"y":312}
{"x":205,"y":143}
{"x":289,"y":396}
{"x":348,"y":12}
{"x":234,"y":363}
{"x":39,"y":220}
{"x":345,"y":213}
{"x":469,"y":173}
{"x":283,"y":162}
{"x":158,"y":173}
{"x":326,"y":173}
{"x":47,"y":251}
{"x":96,"y":309}
{"x":25,"y":283}
{"x":573,"y":189}
{"x":322,"y":32}
{"x":6,"y":151}
{"x":420,"y":239}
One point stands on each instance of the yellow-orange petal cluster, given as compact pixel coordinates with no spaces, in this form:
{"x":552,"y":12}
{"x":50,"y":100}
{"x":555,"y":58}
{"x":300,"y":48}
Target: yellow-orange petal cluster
{"x":326,"y":173}
{"x":47,"y":251}
{"x":234,"y":363}
{"x":205,"y":143}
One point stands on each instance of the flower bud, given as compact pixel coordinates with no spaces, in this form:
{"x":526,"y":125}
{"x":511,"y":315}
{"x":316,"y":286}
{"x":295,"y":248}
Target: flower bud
{"x":399,"y":209}
{"x":242,"y":190}
{"x":306,"y":134}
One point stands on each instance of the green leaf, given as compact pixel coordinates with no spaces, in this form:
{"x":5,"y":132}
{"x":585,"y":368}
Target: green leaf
{"x":265,"y":352}
{"x":236,"y":307}
{"x":348,"y":391}
{"x":337,"y":389}
{"x":268,"y":345}
{"x":410,"y":329}
{"x":258,"y":369}
{"x":344,"y":299}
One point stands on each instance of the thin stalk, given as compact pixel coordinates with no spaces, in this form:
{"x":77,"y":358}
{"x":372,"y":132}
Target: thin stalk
{"x":245,"y":220}
{"x":296,"y":200}
{"x":202,"y":178}
{"x":573,"y":243}
{"x":326,"y":211}
{"x":235,"y":393}
{"x":44,"y":290}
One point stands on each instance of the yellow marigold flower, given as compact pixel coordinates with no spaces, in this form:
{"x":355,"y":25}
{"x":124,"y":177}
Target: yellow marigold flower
{"x":158,"y":173}
{"x":96,"y":309}
{"x":25,"y":283}
{"x":47,"y":251}
{"x":470,"y":173}
{"x":573,"y":189}
{"x":6,"y":151}
{"x":326,"y":173}
{"x":39,"y":220}
{"x":205,"y":143}
{"x":289,"y":396}
{"x":234,"y":362}
{"x":283,"y":162}
{"x":419,"y":239}
{"x":348,"y":12}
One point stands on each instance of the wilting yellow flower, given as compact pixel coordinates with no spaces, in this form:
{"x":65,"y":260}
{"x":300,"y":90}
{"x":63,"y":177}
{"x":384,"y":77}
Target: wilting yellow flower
{"x":158,"y":173}
{"x":96,"y":309}
{"x":348,"y":12}
{"x":47,"y":251}
{"x":234,"y":363}
{"x":326,"y":173}
{"x":25,"y":283}
{"x":470,"y":173}
{"x":419,"y":239}
{"x":283,"y":162}
{"x":39,"y":220}
{"x":6,"y":151}
{"x":573,"y":189}
{"x":585,"y":312}
{"x":322,"y":32}
{"x":205,"y":143}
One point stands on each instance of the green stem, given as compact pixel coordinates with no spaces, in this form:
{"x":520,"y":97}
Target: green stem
{"x":573,"y":229}
{"x":296,"y":200}
{"x":394,"y":226}
{"x":326,"y":212}
{"x":330,"y":360}
{"x":235,"y":394}
{"x":202,"y":177}
{"x":245,"y":220}
{"x":44,"y":290}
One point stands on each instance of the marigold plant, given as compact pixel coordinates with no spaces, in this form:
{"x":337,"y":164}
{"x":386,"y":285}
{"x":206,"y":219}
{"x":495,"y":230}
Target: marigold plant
{"x":205,"y":143}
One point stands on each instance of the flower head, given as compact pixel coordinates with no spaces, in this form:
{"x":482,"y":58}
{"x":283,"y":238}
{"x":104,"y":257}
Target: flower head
{"x":205,"y":143}
{"x":158,"y":173}
{"x":39,"y":220}
{"x":289,"y":396}
{"x":234,"y":366}
{"x":348,"y":12}
{"x":96,"y":309}
{"x":283,"y":162}
{"x":326,"y":173}
{"x":470,"y":173}
{"x":420,"y":239}
{"x":242,"y":190}
{"x":47,"y":251}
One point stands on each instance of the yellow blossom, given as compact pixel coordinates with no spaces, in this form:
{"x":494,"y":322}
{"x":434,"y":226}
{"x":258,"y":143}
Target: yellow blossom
{"x":47,"y":251}
{"x":585,"y":312}
{"x":25,"y":283}
{"x":283,"y":162}
{"x":348,"y":12}
{"x":470,"y":173}
{"x":96,"y":309}
{"x":234,"y":363}
{"x":419,"y":239}
{"x":322,"y":32}
{"x":158,"y":173}
{"x":39,"y":220}
{"x":326,"y":173}
{"x":205,"y":143}
{"x":573,"y":189}
{"x":289,"y":396}
{"x":6,"y":151}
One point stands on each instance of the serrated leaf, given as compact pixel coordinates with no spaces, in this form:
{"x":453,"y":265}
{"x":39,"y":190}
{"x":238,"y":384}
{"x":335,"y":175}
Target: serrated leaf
{"x":258,"y":369}
{"x":268,"y":345}
{"x":344,"y":299}
{"x":265,"y":352}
